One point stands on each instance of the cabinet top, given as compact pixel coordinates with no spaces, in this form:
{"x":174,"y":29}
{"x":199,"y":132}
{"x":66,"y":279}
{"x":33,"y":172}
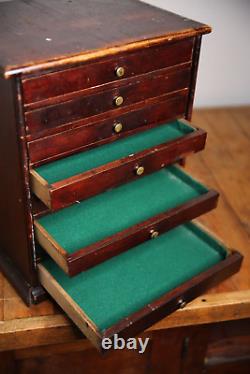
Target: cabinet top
{"x":38,"y":34}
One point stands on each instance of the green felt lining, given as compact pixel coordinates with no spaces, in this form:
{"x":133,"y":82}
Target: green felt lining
{"x":106,"y":214}
{"x":81,"y":162}
{"x":126,"y":283}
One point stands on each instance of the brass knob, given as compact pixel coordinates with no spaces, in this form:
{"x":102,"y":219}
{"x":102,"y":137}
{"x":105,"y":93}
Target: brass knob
{"x":154,"y":234}
{"x":118,"y":100}
{"x":118,"y":127}
{"x":120,"y":71}
{"x":182,"y":303}
{"x":139,"y":170}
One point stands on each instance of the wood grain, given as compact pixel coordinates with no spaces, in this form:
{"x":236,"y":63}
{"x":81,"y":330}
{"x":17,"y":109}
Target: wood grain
{"x":86,"y":134}
{"x":228,"y":301}
{"x":94,"y":181}
{"x":133,"y":90}
{"x":36,"y":31}
{"x":38,"y":89}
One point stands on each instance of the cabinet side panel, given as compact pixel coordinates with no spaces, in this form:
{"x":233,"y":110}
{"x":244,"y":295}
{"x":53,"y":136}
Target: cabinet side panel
{"x":195,"y":64}
{"x":15,"y":225}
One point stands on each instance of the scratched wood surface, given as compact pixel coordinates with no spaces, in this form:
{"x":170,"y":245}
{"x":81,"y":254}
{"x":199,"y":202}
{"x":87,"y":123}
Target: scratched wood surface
{"x":36,"y":30}
{"x":224,"y":165}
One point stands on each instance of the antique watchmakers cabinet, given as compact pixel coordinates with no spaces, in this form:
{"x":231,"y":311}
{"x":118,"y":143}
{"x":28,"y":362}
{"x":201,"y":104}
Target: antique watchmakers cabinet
{"x":96,"y":98}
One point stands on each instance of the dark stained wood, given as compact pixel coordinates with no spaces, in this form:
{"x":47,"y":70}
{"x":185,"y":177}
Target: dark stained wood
{"x":91,"y":134}
{"x":45,"y":324}
{"x":95,"y":181}
{"x":30,"y":294}
{"x":104,"y":87}
{"x":229,"y":348}
{"x":133,"y":90}
{"x":157,"y":309}
{"x":173,"y":300}
{"x":7,"y":363}
{"x":110,"y":115}
{"x":42,"y":57}
{"x":44,"y":62}
{"x":116,"y":244}
{"x":36,"y":30}
{"x":15,"y":219}
{"x":38,"y":207}
{"x":38,"y":89}
{"x":113,"y":245}
{"x":194,"y":349}
{"x":195,"y":64}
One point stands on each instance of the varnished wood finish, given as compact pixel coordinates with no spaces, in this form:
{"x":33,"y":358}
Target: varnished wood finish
{"x":133,"y":91}
{"x":82,"y":186}
{"x":16,"y":241}
{"x":120,"y":242}
{"x":35,"y":50}
{"x":89,"y":134}
{"x":40,"y":89}
{"x":39,"y":39}
{"x":194,"y":71}
{"x":23,"y":327}
{"x":151,"y":313}
{"x":173,"y":300}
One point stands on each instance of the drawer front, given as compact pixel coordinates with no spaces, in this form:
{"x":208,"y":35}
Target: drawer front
{"x":73,"y":140}
{"x":155,"y":203}
{"x":97,"y":181}
{"x":90,"y":173}
{"x":140,"y":317}
{"x":94,"y":74}
{"x":138,"y":90}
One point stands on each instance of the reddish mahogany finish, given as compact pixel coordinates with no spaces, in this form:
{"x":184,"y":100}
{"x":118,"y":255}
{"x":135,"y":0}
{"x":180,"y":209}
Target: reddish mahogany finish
{"x":39,"y":89}
{"x":95,"y":181}
{"x":57,"y":75}
{"x":133,"y":236}
{"x":176,"y":298}
{"x":91,"y":134}
{"x":133,"y":91}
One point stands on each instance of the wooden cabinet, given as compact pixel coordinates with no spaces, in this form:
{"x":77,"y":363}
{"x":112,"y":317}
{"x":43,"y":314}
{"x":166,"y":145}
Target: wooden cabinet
{"x":93,"y":116}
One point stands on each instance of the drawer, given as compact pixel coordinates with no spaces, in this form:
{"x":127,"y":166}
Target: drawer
{"x":87,"y":233}
{"x":134,"y":91}
{"x":82,"y":175}
{"x":132,"y":291}
{"x":119,"y":67}
{"x":52,"y":146}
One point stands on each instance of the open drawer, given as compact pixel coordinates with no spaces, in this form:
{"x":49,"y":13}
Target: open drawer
{"x":85,"y":174}
{"x":130,"y":292}
{"x":85,"y":234}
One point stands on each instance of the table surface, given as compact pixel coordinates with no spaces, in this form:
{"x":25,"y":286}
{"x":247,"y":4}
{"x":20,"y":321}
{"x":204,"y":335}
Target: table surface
{"x":224,"y":166}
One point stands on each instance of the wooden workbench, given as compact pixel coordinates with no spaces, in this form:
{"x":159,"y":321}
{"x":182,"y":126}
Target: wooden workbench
{"x":224,"y":165}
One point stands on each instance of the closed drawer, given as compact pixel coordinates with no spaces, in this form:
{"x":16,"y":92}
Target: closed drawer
{"x":49,"y":147}
{"x":107,"y":70}
{"x":137,"y":90}
{"x":134,"y":290}
{"x":82,"y":175}
{"x":87,"y":233}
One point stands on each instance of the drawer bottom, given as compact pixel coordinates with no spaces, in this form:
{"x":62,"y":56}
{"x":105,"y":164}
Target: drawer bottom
{"x":84,"y":234}
{"x":129,"y":292}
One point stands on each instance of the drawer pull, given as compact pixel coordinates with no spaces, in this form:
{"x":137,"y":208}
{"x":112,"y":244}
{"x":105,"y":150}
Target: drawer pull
{"x":120,"y":71}
{"x":118,"y":127}
{"x":181,"y":303}
{"x":154,"y":234}
{"x":139,"y":170}
{"x":118,"y":100}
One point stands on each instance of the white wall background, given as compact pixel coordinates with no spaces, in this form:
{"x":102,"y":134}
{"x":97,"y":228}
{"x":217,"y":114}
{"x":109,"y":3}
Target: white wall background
{"x":224,"y":70}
